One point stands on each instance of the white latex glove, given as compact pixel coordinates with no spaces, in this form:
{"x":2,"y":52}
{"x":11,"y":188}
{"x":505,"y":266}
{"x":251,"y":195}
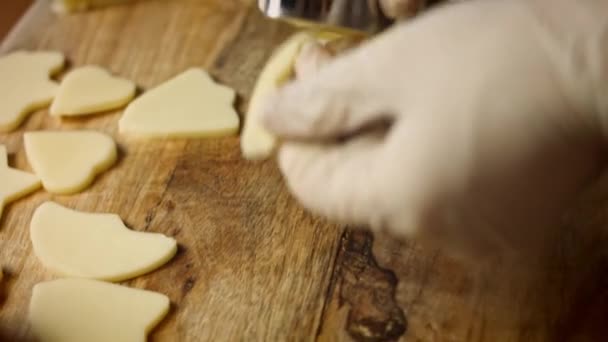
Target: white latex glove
{"x":498,"y":114}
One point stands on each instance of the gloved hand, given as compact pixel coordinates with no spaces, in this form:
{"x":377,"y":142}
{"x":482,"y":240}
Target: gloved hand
{"x":498,"y":119}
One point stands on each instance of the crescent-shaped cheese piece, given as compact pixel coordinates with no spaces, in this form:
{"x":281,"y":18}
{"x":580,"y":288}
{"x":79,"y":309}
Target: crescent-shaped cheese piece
{"x":78,"y":310}
{"x":95,"y":246}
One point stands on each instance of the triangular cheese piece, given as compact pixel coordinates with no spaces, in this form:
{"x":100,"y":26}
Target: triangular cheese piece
{"x":96,"y":246}
{"x":25,"y":85}
{"x":191,"y":105}
{"x":67,"y":162}
{"x":78,"y":310}
{"x":90,"y":90}
{"x":14,"y":184}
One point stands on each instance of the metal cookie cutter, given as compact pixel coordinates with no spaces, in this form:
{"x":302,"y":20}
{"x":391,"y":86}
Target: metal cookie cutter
{"x":351,"y":15}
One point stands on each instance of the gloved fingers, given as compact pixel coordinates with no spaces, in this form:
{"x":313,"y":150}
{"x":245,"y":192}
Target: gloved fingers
{"x":339,"y":182}
{"x":373,"y":82}
{"x":313,"y":56}
{"x":340,"y":98}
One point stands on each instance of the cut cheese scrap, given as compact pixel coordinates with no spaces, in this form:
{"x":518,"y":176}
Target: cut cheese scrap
{"x":256,"y":142}
{"x":95,"y":246}
{"x":191,"y":105}
{"x":25,"y":85}
{"x":89,"y":90}
{"x":62,"y":6}
{"x":14,"y":184}
{"x":324,"y":31}
{"x":77,"y":310}
{"x":67,"y":162}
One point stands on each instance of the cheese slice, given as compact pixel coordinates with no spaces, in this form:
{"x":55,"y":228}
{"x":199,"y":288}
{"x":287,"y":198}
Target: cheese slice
{"x":190,"y":105}
{"x":95,"y":246}
{"x":25,"y":85}
{"x":67,"y":162}
{"x":65,"y":6}
{"x":90,"y":90}
{"x":14,"y":183}
{"x":256,"y":142}
{"x":78,"y":310}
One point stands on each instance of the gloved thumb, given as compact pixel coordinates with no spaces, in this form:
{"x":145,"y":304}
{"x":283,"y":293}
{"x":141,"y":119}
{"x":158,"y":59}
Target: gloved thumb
{"x":340,"y":182}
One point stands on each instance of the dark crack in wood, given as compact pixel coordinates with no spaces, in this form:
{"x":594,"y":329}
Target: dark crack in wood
{"x":369,"y":291}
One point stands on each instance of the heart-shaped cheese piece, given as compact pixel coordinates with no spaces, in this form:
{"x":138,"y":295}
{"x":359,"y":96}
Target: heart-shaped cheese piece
{"x":25,"y":85}
{"x":67,"y":162}
{"x":89,"y":90}
{"x":14,"y":183}
{"x":95,"y":246}
{"x":77,"y":310}
{"x":190,"y":105}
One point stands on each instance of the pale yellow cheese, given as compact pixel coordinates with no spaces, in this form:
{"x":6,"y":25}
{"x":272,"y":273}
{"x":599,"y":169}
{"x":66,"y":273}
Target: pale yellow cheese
{"x":68,"y":161}
{"x":89,"y":90}
{"x":25,"y":85}
{"x":324,"y":32}
{"x":63,"y":6}
{"x":256,"y":142}
{"x":95,"y":246}
{"x":14,"y":184}
{"x":79,"y":310}
{"x":191,"y":105}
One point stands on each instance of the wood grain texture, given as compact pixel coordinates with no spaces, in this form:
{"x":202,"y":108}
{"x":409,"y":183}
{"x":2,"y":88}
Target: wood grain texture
{"x":558,"y":294}
{"x":10,"y":12}
{"x":361,"y":296}
{"x":561,"y":295}
{"x":252,"y":264}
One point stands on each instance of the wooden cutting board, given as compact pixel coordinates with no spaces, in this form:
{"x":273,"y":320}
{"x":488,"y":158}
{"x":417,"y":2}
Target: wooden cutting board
{"x":252,"y":265}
